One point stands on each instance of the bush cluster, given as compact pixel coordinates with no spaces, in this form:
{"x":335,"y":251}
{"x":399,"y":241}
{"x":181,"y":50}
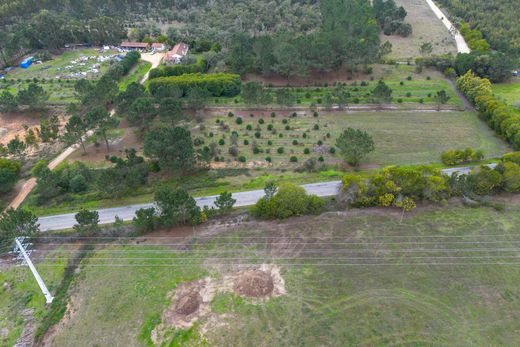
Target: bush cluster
{"x":458,"y":156}
{"x":289,"y":200}
{"x":9,"y":171}
{"x":403,"y":187}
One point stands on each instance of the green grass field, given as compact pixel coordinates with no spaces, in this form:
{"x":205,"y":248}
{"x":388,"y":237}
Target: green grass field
{"x":510,"y":91}
{"x":401,"y":303}
{"x":401,"y":137}
{"x":135,"y":75}
{"x":421,"y":86}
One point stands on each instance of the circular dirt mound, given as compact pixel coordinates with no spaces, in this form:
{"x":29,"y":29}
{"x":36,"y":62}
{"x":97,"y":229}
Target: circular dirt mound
{"x":188,"y":304}
{"x":254,"y":283}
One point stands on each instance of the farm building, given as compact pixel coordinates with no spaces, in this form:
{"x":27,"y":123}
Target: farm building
{"x":134,"y":46}
{"x":178,"y":52}
{"x":158,"y":47}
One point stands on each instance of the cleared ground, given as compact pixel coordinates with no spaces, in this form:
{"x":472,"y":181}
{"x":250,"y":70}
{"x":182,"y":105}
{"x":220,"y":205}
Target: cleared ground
{"x":441,"y":277}
{"x":426,"y":28}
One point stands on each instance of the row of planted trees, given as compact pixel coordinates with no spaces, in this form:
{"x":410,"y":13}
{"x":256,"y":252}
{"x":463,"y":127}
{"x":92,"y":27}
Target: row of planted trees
{"x":500,"y":116}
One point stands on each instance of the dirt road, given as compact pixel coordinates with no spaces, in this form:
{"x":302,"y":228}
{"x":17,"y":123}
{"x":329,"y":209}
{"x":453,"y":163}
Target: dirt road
{"x":462,"y":46}
{"x":28,"y":186}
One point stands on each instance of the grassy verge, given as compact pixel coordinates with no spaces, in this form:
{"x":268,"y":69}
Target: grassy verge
{"x":135,"y":75}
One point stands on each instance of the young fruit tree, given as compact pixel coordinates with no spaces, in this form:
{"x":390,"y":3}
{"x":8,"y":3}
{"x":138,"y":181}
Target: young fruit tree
{"x":354,"y":145}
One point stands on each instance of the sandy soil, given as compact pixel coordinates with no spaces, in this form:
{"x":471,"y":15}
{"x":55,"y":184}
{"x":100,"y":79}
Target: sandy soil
{"x":12,"y":124}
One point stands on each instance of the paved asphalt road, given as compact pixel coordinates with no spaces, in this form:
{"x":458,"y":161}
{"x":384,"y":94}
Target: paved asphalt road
{"x":107,"y":215}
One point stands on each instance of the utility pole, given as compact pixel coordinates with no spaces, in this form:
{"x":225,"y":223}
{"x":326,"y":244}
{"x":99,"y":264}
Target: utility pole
{"x":23,"y":254}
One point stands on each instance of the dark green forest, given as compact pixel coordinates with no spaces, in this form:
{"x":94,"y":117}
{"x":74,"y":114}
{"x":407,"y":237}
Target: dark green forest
{"x":497,"y":19}
{"x":287,"y":38}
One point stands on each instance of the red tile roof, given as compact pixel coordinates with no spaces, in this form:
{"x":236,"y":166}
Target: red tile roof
{"x":134,"y":44}
{"x":180,"y":49}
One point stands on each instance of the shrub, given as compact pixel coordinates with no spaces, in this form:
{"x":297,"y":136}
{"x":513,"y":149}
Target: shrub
{"x":332,"y":150}
{"x":239,"y":120}
{"x":261,"y":121}
{"x":246,"y":142}
{"x":145,"y":219}
{"x":316,"y":127}
{"x":295,"y":142}
{"x":242,"y":159}
{"x":287,"y":127}
{"x":268,"y":159}
{"x":230,"y":114}
{"x":293,"y":159}
{"x":258,"y":134}
{"x":513,"y":157}
{"x":457,"y":157}
{"x":285,"y":121}
{"x":273,"y":114}
{"x":249,"y":127}
{"x":320,"y":158}
{"x":269,"y":127}
{"x":233,"y":151}
{"x":280,"y":150}
{"x":78,"y":184}
{"x":306,"y":151}
{"x":221,"y":142}
{"x":289,"y":200}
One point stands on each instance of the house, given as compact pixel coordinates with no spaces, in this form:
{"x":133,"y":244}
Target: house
{"x":178,"y":52}
{"x":134,"y":46}
{"x":158,"y":47}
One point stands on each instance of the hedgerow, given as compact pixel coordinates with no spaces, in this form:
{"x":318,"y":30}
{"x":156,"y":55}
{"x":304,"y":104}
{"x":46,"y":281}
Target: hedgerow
{"x":178,"y":69}
{"x":218,"y":84}
{"x":500,"y":116}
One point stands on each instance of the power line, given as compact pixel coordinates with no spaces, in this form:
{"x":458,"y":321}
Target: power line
{"x":302,"y":264}
{"x":283,"y":243}
{"x":294,"y":258}
{"x":262,"y":237}
{"x":333,"y":250}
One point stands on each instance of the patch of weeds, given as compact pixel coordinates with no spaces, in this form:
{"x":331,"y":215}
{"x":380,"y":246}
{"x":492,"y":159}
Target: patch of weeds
{"x":226,"y":302}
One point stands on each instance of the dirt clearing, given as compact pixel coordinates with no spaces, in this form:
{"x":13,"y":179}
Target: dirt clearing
{"x":191,"y":301}
{"x":426,"y":28}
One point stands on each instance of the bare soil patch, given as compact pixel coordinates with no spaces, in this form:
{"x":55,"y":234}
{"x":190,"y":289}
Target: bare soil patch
{"x":254,"y":283}
{"x":12,"y":124}
{"x":191,"y":301}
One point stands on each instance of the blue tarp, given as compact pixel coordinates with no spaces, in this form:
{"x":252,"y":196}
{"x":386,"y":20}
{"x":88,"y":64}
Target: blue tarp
{"x":26,"y":63}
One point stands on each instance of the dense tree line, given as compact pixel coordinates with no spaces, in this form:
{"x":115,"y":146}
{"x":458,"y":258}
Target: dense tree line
{"x":348,"y":36}
{"x":494,"y":66}
{"x":497,"y":20}
{"x":500,"y":116}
